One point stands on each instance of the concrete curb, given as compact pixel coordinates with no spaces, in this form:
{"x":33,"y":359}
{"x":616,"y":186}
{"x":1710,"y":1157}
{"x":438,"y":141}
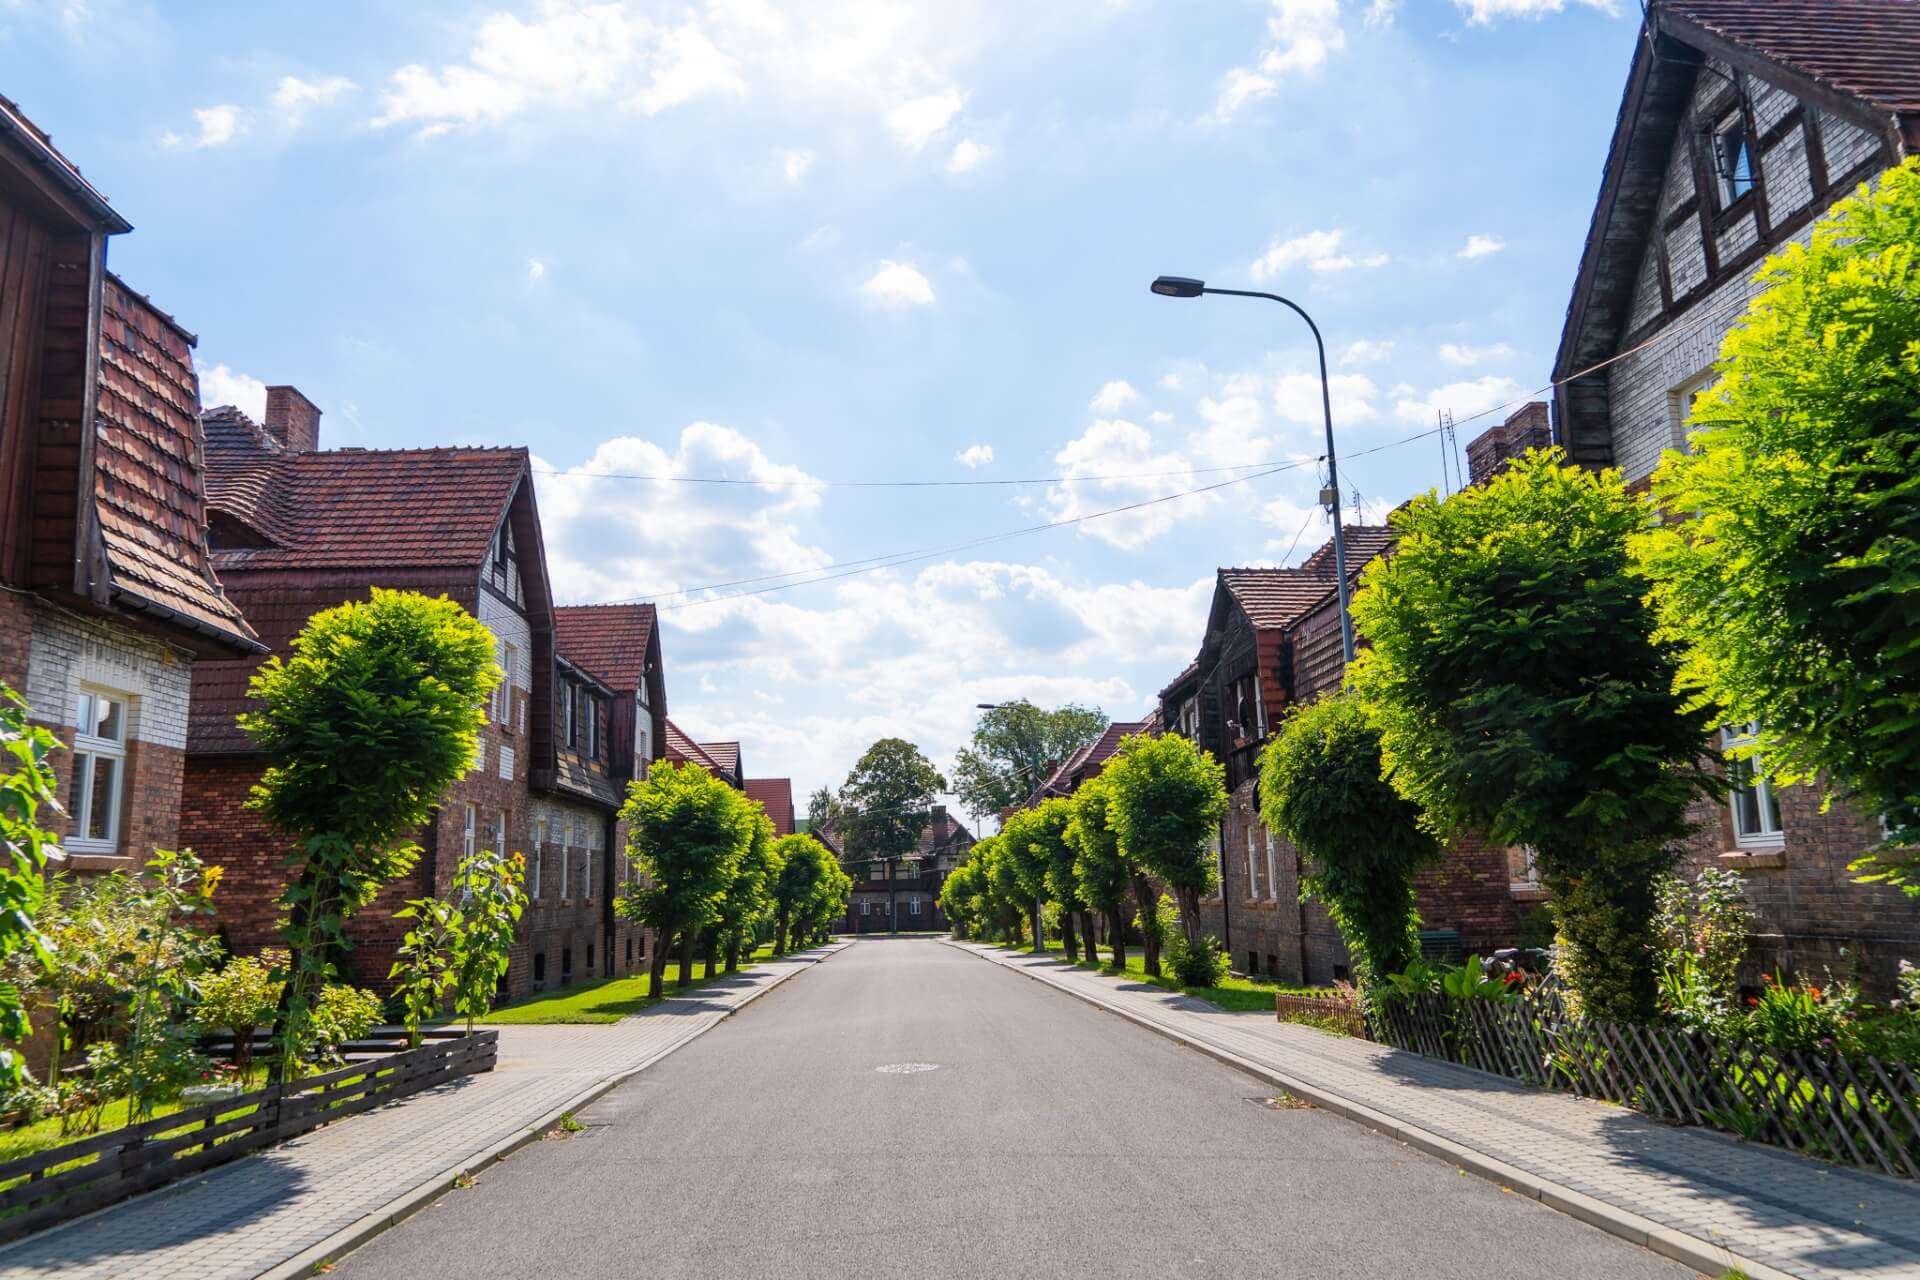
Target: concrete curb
{"x":408,"y":1203}
{"x":1703,"y":1256}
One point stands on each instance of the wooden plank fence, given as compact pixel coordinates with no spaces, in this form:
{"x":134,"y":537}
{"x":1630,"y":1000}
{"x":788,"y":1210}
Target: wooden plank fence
{"x":78,"y":1177}
{"x":1327,"y":1011}
{"x":1858,"y":1110}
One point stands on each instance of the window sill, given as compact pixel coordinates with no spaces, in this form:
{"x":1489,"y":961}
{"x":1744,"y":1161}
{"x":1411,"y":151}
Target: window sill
{"x":82,"y":860}
{"x":1755,"y":859}
{"x":1528,"y":892}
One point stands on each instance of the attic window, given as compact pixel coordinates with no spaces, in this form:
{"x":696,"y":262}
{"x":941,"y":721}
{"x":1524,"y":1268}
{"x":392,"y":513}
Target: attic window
{"x":1733,"y":158}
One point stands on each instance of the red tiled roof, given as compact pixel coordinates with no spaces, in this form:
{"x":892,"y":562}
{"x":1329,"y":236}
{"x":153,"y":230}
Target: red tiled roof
{"x":776,"y":797}
{"x":1273,"y":598}
{"x":1866,"y":49}
{"x":684,"y":750}
{"x":609,"y":640}
{"x":348,"y":508}
{"x":724,"y":754}
{"x":149,"y":479}
{"x":1364,"y":542}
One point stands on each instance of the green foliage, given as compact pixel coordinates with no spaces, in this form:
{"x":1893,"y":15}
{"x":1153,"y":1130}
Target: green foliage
{"x":960,"y":898}
{"x":1102,"y":872}
{"x":1162,"y":926}
{"x":490,"y":899}
{"x":423,"y":970}
{"x":887,"y":800}
{"x":1795,"y":587}
{"x":1321,"y":787}
{"x":240,"y":998}
{"x":1466,"y":981}
{"x":341,"y":1015}
{"x":1520,"y":692}
{"x":1167,"y":798}
{"x":1049,"y":833}
{"x":749,"y":894}
{"x":1012,"y":745}
{"x":805,"y":892}
{"x":1197,"y":964}
{"x":687,"y":833}
{"x":375,"y":714}
{"x":26,"y":783}
{"x":1003,"y":899}
{"x":1704,"y":926}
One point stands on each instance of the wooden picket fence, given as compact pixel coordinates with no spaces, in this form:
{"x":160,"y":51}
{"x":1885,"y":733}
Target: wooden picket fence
{"x":89,"y":1173}
{"x":1341,"y":1011}
{"x":1856,"y":1110}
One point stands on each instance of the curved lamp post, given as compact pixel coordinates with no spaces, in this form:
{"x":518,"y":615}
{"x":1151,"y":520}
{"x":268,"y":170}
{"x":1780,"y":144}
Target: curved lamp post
{"x":1184,"y":287}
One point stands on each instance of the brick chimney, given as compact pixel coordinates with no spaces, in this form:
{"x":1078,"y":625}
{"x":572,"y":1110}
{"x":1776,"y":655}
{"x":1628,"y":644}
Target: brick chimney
{"x":292,"y":419}
{"x":1489,"y":452}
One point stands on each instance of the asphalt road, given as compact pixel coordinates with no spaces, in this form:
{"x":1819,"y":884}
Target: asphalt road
{"x":1048,"y":1140}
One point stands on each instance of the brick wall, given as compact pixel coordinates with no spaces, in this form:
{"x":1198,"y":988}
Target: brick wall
{"x":16,"y":637}
{"x":1470,"y":890}
{"x":567,"y":919}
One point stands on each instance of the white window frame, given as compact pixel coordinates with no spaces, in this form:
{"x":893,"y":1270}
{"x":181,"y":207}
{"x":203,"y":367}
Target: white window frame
{"x":1529,"y":869}
{"x":1681,"y":406}
{"x":500,"y":835}
{"x":566,"y":863}
{"x":88,"y":750}
{"x":471,"y":832}
{"x":593,"y":850}
{"x":539,"y":854}
{"x":1724,"y":164}
{"x":1253,"y":869}
{"x":914,"y":904}
{"x":503,"y":695}
{"x":1766,"y":802}
{"x":866,"y":907}
{"x":1273,"y":880}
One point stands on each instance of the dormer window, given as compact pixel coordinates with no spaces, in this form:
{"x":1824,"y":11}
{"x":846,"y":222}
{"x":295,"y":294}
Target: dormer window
{"x":1733,"y":158}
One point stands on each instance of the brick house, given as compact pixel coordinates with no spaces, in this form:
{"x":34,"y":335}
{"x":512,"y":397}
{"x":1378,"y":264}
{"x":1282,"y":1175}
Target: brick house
{"x":1273,"y":641}
{"x":1086,"y":764}
{"x":618,"y":647}
{"x":1741,"y":123}
{"x":776,"y":797}
{"x":108,"y":597}
{"x":296,"y":529}
{"x":891,"y":896}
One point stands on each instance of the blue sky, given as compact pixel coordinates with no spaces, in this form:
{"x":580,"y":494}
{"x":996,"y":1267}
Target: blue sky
{"x":860,"y":240}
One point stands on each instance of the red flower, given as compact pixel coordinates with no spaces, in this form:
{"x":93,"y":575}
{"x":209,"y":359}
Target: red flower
{"x":1754,"y":1001}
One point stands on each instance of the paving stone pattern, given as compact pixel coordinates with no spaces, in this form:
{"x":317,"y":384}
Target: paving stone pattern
{"x":246,"y":1217}
{"x":1801,"y":1216}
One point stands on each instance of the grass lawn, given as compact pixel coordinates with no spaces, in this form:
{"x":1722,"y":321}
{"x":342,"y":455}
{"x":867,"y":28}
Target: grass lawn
{"x":1235,"y":993}
{"x":602,"y":1000}
{"x":42,"y":1134}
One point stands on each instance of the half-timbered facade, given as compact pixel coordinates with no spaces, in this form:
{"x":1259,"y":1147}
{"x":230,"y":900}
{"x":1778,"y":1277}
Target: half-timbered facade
{"x":1742,"y":122}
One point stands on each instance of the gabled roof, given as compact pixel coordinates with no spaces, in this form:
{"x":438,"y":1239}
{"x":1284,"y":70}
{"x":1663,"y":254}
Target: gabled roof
{"x":1864,"y":49}
{"x":684,"y":750}
{"x":1364,"y":542}
{"x":353,"y":508}
{"x":62,"y":172}
{"x":609,"y":640}
{"x":149,"y":482}
{"x":776,"y":797}
{"x":724,"y":754}
{"x":1274,"y":599}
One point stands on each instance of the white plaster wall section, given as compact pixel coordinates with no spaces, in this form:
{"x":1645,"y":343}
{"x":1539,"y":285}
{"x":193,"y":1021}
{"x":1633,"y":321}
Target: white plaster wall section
{"x":69,"y":651}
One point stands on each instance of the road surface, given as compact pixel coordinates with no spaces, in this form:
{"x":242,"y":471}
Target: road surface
{"x":906,"y":1109}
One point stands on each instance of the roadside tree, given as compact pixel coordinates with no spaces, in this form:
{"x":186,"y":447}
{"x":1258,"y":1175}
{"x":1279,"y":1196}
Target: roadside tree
{"x":1520,"y":691}
{"x":800,"y":869}
{"x":1167,"y":798}
{"x":1012,"y":745}
{"x":1102,"y":872}
{"x":748,"y":901}
{"x":1790,"y":574}
{"x":1022,"y":850}
{"x":687,"y":831}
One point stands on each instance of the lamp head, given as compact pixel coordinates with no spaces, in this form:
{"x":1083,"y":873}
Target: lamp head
{"x":1179,"y":287}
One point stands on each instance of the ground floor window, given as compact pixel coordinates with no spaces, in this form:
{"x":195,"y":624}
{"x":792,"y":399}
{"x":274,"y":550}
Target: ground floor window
{"x":99,"y":770}
{"x":914,"y":906}
{"x":1756,"y":813}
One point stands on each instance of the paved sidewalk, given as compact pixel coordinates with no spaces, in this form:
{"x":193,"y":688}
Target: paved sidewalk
{"x":282,"y":1210}
{"x":1700,"y":1197}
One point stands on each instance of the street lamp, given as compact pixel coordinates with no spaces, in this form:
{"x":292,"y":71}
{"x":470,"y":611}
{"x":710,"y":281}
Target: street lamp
{"x":1187,"y":287}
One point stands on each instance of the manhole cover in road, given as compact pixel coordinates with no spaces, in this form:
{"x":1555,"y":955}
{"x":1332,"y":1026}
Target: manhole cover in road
{"x":907,"y":1068}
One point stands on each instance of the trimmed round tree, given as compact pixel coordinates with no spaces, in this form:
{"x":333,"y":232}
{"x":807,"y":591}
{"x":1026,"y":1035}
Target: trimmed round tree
{"x":1520,"y":691}
{"x":749,"y":897}
{"x":375,"y":713}
{"x":1795,"y":584}
{"x":687,"y":832}
{"x":1007,"y":895}
{"x":1052,"y":818}
{"x":1167,"y":799}
{"x":1024,"y":855}
{"x":802,"y":865}
{"x":1321,"y":787}
{"x":1104,"y":875}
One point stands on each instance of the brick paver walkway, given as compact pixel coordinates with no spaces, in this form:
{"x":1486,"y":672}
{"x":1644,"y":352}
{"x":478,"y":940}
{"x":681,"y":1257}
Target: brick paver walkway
{"x":262,"y":1211}
{"x":1796,"y":1216}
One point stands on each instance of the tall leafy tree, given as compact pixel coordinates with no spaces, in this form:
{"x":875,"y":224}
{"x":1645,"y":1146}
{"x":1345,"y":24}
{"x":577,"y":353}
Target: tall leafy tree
{"x":802,"y":864}
{"x":1012,"y":745}
{"x":827,"y":903}
{"x":687,"y":832}
{"x":1024,"y":847}
{"x":960,"y":898}
{"x":1013,"y":903}
{"x":1104,"y":875}
{"x":1520,"y":690}
{"x":1795,"y":585}
{"x":885,"y":803}
{"x":822,"y":807}
{"x":749,"y":897}
{"x":1321,"y":787}
{"x":1167,"y":797}
{"x":373,"y":715}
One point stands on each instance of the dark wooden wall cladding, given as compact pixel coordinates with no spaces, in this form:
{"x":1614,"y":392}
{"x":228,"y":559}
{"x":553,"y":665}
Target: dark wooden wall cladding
{"x":37,"y":1191}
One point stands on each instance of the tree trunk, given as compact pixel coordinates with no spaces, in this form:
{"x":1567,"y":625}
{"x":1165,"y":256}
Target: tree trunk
{"x":710,"y":953}
{"x":1090,"y":936}
{"x":780,"y":934}
{"x":1145,"y":903}
{"x":304,"y":978}
{"x":1039,"y":928}
{"x":733,"y":956}
{"x":1069,"y":942}
{"x":687,"y":939}
{"x":1189,"y":900}
{"x":1117,"y":938}
{"x":657,"y":963}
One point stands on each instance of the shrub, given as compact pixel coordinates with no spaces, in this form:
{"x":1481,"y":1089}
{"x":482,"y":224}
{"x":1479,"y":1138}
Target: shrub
{"x":1793,"y":576}
{"x":1197,"y":964}
{"x":239,"y":999}
{"x":342,"y":1015}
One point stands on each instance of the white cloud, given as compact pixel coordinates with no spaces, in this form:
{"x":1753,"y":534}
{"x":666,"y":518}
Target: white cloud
{"x":967,"y":156}
{"x":688,"y":66}
{"x":1301,"y":35}
{"x":1479,"y":246}
{"x":1380,"y":13}
{"x":536,"y":269}
{"x":215,"y":127}
{"x":1486,"y":12}
{"x":974,"y":456}
{"x":1316,"y":251}
{"x":795,"y":161}
{"x":1461,"y":399}
{"x":1235,"y":431}
{"x":220,"y":385}
{"x":294,"y":95}
{"x":899,"y":284}
{"x":1296,"y":398}
{"x":917,"y":120}
{"x":1125,"y":450}
{"x":1466,"y":356}
{"x":1113,"y":396}
{"x":1366,"y":351}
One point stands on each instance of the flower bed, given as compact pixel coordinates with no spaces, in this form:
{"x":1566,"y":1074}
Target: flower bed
{"x":78,"y":1177}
